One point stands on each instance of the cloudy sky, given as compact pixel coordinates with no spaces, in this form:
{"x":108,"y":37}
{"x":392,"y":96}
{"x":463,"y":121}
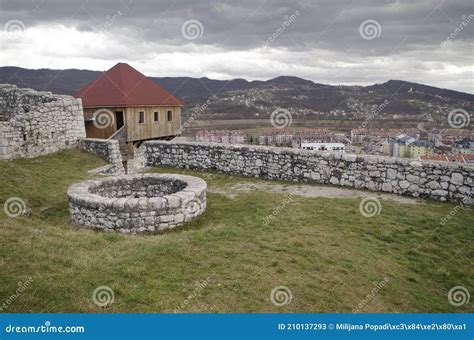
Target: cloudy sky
{"x":328,"y":41}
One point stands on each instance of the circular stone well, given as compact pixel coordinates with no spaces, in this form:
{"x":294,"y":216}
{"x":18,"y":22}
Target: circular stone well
{"x":137,"y":203}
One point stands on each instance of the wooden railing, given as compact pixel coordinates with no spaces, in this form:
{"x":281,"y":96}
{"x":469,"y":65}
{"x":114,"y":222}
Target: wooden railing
{"x":120,"y":134}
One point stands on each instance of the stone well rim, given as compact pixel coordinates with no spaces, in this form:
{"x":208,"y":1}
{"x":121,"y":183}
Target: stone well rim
{"x":80,"y":193}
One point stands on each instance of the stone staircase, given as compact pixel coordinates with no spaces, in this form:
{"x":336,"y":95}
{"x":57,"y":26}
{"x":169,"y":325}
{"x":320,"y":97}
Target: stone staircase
{"x":132,"y":156}
{"x":126,"y":150}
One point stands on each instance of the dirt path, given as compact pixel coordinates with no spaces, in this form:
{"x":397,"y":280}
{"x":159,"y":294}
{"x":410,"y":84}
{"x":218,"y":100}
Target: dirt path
{"x":310,"y":191}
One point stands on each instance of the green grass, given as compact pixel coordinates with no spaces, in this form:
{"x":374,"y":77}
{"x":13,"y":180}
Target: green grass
{"x":322,"y":249}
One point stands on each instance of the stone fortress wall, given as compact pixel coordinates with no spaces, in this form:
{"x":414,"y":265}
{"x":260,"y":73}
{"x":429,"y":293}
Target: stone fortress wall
{"x":436,"y":180}
{"x":108,"y":150}
{"x":36,"y":123}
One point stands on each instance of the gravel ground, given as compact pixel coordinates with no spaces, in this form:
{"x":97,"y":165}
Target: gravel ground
{"x":311,"y":191}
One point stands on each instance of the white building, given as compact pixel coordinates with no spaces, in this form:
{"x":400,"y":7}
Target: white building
{"x":323,"y":146}
{"x":220,"y":136}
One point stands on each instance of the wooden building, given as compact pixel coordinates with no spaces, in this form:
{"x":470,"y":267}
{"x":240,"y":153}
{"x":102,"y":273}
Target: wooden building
{"x":124,"y":104}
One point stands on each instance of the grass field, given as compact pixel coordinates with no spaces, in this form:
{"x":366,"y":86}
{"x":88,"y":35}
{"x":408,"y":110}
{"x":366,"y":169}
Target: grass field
{"x":323,"y":250}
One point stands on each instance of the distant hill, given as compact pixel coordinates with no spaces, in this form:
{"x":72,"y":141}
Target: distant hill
{"x":239,"y":98}
{"x":56,"y":81}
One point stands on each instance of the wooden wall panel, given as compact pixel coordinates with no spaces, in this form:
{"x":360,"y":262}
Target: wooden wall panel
{"x":97,"y":131}
{"x":134,"y":130}
{"x":150,"y":129}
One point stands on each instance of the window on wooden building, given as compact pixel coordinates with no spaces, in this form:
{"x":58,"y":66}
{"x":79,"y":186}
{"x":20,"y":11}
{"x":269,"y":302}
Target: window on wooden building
{"x":170,"y":116}
{"x":156,"y":116}
{"x":141,"y":117}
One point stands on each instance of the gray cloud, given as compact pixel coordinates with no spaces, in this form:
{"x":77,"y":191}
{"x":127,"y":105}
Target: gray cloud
{"x":409,"y":43}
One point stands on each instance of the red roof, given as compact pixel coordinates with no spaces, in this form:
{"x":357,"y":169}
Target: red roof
{"x":441,"y":158}
{"x":445,"y":158}
{"x":469,"y":157}
{"x":122,"y":85}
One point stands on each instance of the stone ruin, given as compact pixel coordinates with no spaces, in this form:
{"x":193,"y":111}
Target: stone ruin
{"x":425,"y":179}
{"x":137,"y":203}
{"x":34,"y":123}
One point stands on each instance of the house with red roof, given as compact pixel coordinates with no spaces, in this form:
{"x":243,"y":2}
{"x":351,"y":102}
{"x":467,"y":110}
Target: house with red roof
{"x":124,"y":104}
{"x":447,"y":158}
